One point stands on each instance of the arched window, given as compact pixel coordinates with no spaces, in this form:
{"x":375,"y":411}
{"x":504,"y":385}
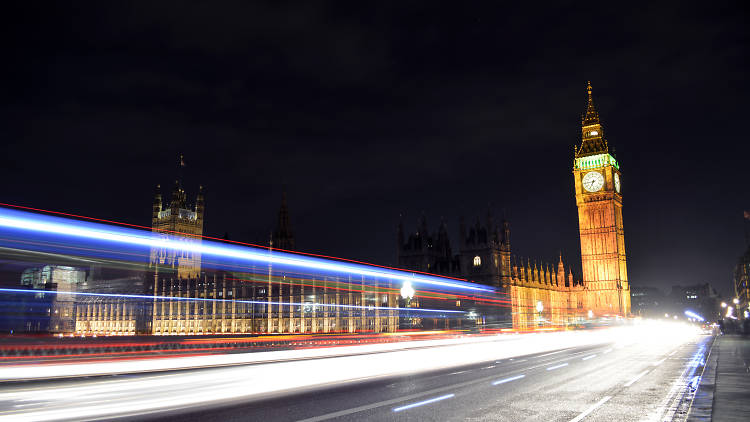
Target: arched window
{"x":477,"y":261}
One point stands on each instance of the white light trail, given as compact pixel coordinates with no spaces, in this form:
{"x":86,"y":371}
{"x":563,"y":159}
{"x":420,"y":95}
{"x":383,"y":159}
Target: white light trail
{"x":272,"y":374}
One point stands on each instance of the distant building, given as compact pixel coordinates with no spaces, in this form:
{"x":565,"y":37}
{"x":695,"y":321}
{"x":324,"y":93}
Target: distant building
{"x":702,"y":299}
{"x":485,"y":257}
{"x":648,"y":302}
{"x":111,"y":304}
{"x":190,"y":297}
{"x":742,"y":285}
{"x":62,"y":283}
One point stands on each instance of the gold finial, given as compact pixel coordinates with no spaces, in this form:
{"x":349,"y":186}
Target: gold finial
{"x":588,"y":88}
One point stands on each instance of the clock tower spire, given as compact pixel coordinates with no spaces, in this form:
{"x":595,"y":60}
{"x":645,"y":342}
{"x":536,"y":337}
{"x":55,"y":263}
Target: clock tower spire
{"x":599,"y":199}
{"x":592,"y":135}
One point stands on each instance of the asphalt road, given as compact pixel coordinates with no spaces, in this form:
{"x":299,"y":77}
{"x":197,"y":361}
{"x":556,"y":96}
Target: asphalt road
{"x":637,"y":379}
{"x":606,"y":383}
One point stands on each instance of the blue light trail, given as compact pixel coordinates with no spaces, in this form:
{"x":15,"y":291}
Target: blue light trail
{"x":67,"y":234}
{"x":198,"y":299}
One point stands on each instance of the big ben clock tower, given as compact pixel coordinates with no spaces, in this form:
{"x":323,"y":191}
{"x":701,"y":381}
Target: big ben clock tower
{"x":599,"y":200}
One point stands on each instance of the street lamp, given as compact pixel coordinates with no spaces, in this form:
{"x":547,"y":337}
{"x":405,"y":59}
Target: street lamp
{"x":666,"y":315}
{"x":723,"y":304}
{"x":407,"y":291}
{"x":736,"y":301}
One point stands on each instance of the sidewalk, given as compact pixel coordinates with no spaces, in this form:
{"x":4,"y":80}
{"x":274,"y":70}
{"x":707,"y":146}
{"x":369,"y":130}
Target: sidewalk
{"x":724,"y":391}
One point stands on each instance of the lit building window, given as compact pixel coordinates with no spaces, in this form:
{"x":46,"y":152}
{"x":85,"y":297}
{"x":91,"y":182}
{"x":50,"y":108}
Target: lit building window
{"x":477,"y":261}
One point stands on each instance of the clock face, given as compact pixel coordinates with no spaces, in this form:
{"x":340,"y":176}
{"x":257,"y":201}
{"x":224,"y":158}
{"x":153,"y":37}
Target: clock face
{"x":617,"y":182}
{"x":593,"y":181}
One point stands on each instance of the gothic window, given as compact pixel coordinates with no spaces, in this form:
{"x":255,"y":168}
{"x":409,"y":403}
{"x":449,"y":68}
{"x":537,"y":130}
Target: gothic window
{"x":477,"y":261}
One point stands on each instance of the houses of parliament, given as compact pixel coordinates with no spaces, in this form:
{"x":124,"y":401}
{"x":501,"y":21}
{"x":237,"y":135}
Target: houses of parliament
{"x":189,"y":298}
{"x":535,"y":290}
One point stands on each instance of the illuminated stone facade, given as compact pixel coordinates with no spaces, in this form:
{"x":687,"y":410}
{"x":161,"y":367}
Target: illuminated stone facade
{"x":62,"y":282}
{"x":544,"y":295}
{"x":597,"y":181}
{"x":177,"y":221}
{"x":260,"y":300}
{"x":191,"y":300}
{"x":485,"y":257}
{"x":541,"y":294}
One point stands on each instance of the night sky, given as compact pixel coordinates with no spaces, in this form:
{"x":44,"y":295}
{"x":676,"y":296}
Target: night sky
{"x":368,"y":114}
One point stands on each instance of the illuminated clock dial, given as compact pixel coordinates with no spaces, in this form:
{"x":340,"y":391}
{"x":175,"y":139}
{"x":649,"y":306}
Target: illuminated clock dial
{"x":617,"y":182}
{"x":593,"y":181}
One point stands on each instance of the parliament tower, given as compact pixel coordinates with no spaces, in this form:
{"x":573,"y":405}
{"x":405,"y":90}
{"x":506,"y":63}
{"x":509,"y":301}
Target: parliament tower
{"x":599,"y":199}
{"x":178,"y":221}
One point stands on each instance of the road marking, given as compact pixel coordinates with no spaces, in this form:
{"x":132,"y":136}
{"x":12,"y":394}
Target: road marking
{"x":607,"y":351}
{"x":456,"y":373}
{"x":422,"y":403}
{"x":553,"y":353}
{"x":557,"y":366}
{"x":489,"y":367}
{"x":503,"y":381}
{"x":659,"y":362}
{"x":588,"y":357}
{"x":590,"y":409}
{"x":673,"y":352}
{"x":631,"y":382}
{"x":363,"y":408}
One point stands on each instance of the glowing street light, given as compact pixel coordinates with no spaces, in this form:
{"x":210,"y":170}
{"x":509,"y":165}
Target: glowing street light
{"x":723,"y":304}
{"x":736,"y":301}
{"x":591,"y":314}
{"x":407,"y":291}
{"x":666,"y":315}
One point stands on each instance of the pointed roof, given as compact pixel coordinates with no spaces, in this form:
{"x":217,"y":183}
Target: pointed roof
{"x":592,"y":135}
{"x":591,"y":117}
{"x":283,"y":236}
